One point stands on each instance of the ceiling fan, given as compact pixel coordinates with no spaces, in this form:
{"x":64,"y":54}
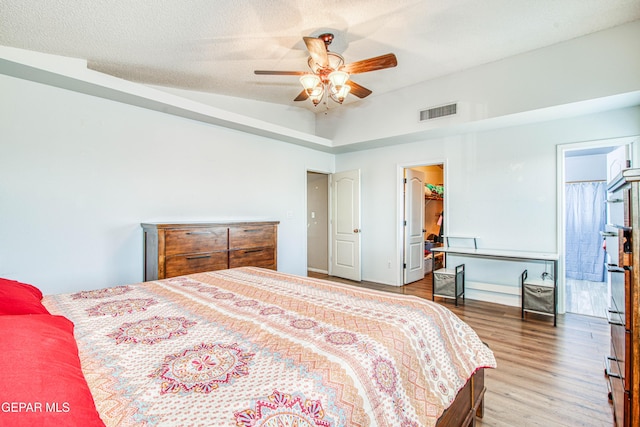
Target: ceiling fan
{"x":329,"y":75}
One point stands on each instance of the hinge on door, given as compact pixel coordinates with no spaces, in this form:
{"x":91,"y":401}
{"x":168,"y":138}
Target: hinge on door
{"x":404,"y":266}
{"x":404,"y":180}
{"x":405,"y":223}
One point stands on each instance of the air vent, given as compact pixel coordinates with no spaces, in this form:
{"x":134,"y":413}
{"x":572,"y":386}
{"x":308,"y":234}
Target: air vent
{"x":436,"y":112}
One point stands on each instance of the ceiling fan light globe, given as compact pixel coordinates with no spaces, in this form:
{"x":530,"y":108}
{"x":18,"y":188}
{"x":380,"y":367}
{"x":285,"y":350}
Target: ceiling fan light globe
{"x":339,"y":95}
{"x":338,"y":79}
{"x":343,"y":92}
{"x":317,"y":92}
{"x":316,"y":95}
{"x":310,"y":82}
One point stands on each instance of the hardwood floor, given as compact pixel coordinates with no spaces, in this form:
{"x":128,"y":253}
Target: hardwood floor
{"x":546,"y":376}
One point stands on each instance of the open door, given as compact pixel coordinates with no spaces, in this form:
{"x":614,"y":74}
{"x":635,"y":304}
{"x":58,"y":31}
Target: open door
{"x":345,"y":225}
{"x":618,"y":160}
{"x":413,"y":225}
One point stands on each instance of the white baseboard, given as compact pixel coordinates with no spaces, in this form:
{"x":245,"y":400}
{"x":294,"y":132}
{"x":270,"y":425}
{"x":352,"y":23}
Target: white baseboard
{"x":491,"y":292}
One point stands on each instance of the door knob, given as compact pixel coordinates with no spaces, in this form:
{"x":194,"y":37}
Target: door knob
{"x":356,"y":230}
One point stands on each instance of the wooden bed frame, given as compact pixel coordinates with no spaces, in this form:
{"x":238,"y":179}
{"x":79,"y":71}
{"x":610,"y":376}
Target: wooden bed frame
{"x":468,"y":404}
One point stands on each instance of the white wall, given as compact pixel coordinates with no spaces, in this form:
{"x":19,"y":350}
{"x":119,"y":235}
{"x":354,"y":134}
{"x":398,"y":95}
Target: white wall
{"x":501,"y":187}
{"x":78,"y":174}
{"x":586,"y":168}
{"x":292,"y":117}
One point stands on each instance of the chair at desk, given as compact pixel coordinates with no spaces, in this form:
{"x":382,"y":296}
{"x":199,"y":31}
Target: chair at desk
{"x":449,"y":283}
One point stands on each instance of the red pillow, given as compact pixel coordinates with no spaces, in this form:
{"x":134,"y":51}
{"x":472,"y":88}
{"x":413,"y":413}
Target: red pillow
{"x":20,"y":298}
{"x":41,"y":382}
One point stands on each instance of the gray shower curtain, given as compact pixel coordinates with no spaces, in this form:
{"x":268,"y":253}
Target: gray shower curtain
{"x":586,"y":213}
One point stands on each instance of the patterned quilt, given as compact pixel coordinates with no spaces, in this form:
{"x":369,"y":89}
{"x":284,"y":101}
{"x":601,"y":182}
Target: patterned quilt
{"x":254,"y":347}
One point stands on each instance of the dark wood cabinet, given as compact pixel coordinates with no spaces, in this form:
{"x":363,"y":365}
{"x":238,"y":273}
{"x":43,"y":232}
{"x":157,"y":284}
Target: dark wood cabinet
{"x":623,"y":360}
{"x":176,"y":249}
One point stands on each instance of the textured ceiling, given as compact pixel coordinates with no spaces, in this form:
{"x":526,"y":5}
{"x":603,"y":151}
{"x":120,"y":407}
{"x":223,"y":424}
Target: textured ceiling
{"x":214,"y":45}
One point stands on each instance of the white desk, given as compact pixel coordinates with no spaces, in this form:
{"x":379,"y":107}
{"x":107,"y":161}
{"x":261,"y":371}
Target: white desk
{"x":499,"y":254}
{"x":504,"y":255}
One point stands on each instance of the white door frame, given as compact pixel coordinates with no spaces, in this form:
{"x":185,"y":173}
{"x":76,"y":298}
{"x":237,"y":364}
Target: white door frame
{"x":400,"y":208}
{"x":329,"y":214}
{"x":562,"y":149}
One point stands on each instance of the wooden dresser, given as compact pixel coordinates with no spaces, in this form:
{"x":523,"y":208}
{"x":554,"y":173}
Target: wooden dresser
{"x":623,"y":265}
{"x":176,"y":249}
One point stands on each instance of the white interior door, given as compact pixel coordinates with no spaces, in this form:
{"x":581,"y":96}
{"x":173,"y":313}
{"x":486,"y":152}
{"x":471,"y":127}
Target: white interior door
{"x":345,"y":225}
{"x":413,"y":225}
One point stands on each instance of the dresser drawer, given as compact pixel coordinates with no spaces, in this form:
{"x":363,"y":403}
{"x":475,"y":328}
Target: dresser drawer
{"x":179,"y":265}
{"x":251,"y":236}
{"x":190,"y":240}
{"x":616,"y":389}
{"x":619,"y":398}
{"x":618,"y":349}
{"x":262,"y":257}
{"x":618,"y":281}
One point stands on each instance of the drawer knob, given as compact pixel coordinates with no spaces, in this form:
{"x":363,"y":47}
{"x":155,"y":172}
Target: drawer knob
{"x":250,"y":251}
{"x":199,"y":257}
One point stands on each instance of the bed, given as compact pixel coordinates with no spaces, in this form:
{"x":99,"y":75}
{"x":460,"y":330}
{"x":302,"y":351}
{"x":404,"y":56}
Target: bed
{"x":244,"y":347}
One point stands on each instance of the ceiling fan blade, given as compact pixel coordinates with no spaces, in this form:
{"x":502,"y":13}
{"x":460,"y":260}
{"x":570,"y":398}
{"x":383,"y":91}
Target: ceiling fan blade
{"x":372,"y":64}
{"x":279,"y":73}
{"x":302,"y":96}
{"x":317,"y":50}
{"x":357,"y":90}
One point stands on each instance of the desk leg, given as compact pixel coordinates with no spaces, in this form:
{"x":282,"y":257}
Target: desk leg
{"x":433,"y":276}
{"x":555,"y":292}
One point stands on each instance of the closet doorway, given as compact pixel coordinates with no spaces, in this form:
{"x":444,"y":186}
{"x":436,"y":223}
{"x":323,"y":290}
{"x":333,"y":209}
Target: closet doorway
{"x":318,"y":222}
{"x":423,"y":220}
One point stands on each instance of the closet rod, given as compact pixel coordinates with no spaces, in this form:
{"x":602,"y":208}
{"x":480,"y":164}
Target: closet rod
{"x":586,"y":180}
